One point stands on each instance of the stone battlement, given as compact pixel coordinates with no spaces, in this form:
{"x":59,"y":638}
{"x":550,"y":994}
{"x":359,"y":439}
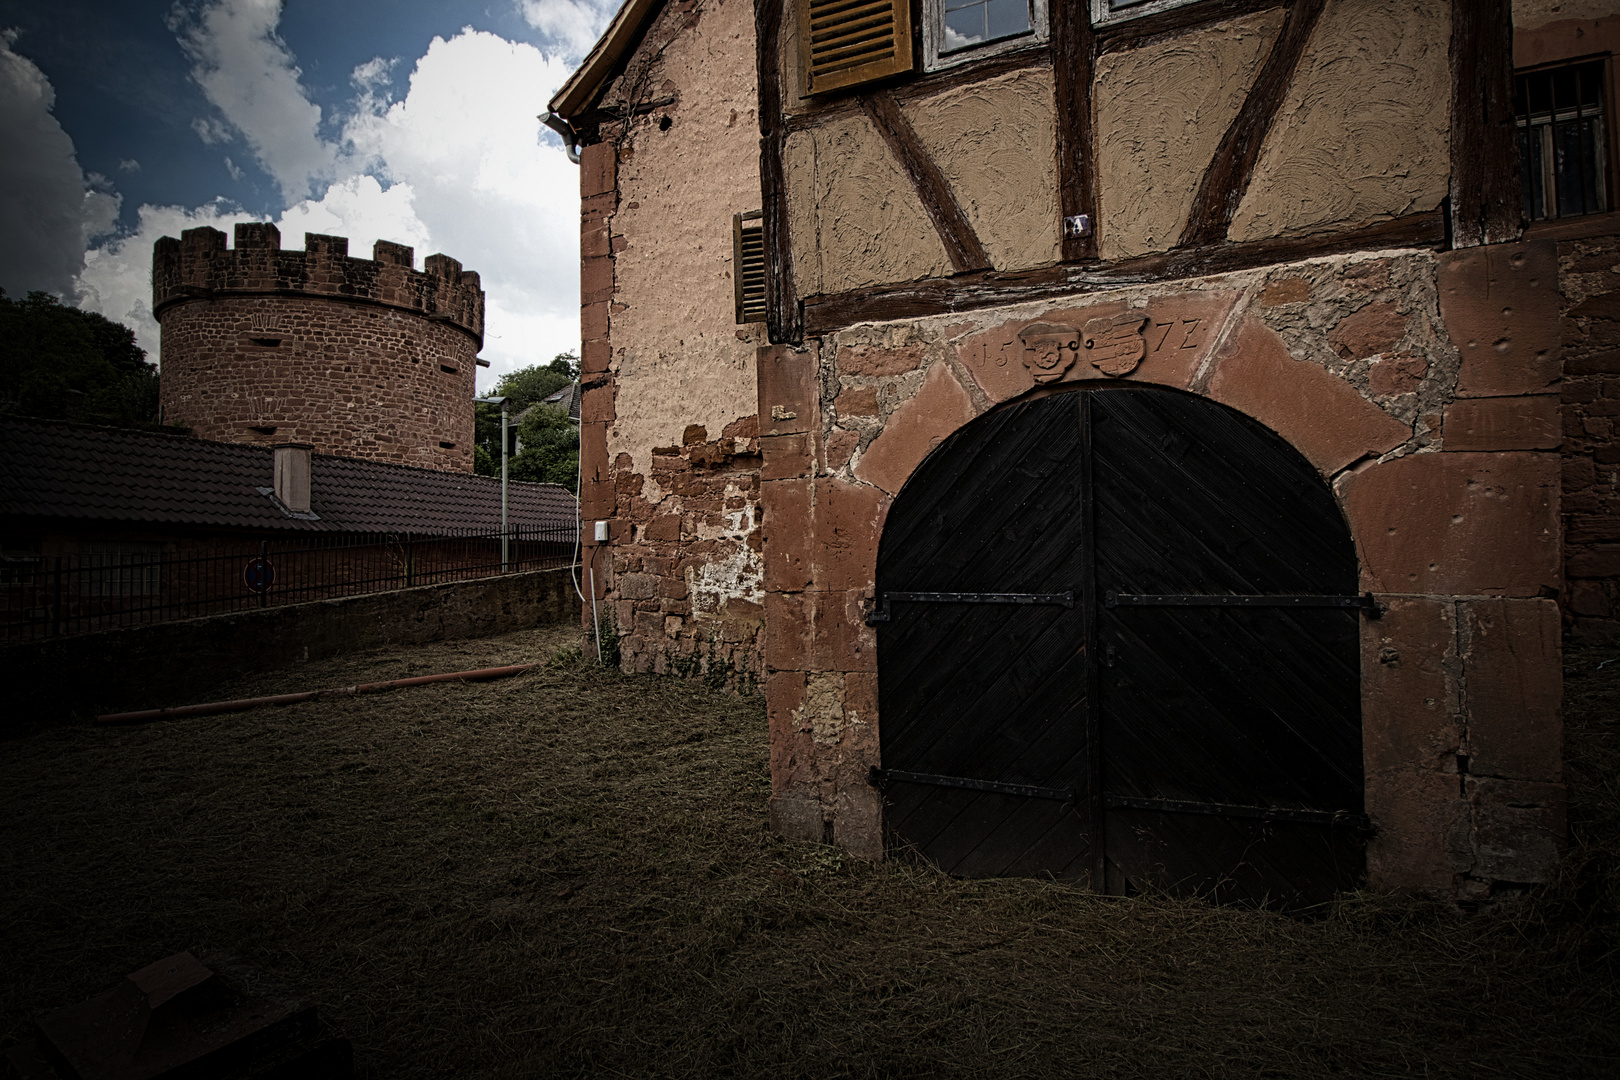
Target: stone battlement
{"x":200,"y":266}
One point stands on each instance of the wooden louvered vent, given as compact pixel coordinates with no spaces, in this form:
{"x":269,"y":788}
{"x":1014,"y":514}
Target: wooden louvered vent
{"x":848,"y":42}
{"x":748,"y":246}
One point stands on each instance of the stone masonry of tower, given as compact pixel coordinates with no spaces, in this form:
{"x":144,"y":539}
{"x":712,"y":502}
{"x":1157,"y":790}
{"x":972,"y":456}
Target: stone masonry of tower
{"x":365,"y":358}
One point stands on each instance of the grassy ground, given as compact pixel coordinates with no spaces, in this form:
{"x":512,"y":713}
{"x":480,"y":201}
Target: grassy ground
{"x":569,"y":873}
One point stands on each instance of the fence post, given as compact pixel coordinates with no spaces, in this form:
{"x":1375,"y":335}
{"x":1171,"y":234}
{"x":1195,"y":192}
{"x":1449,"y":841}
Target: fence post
{"x":264,"y":593}
{"x":410,"y":561}
{"x":56,"y":600}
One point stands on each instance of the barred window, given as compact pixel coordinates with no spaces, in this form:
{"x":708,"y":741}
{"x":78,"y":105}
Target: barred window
{"x":1563,"y":140}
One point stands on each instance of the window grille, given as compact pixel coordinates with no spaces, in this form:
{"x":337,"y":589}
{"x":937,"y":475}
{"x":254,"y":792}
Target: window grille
{"x":1563,"y":141}
{"x":748,"y":250}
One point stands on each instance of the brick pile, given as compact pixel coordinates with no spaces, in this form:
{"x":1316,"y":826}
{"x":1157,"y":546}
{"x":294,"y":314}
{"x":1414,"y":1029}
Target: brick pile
{"x":360,"y":358}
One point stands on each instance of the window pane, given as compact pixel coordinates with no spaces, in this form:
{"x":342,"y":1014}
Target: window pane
{"x":1008,"y":17}
{"x":964,"y":26}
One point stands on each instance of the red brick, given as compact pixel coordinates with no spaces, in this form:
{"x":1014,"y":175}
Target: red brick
{"x":877,"y":360}
{"x":1519,"y":829}
{"x":915,"y":428}
{"x":1599,"y":561}
{"x":598,"y":169}
{"x":1375,"y":328}
{"x":1399,"y":374}
{"x":839,"y":639}
{"x":595,"y":356}
{"x":1506,"y":423}
{"x":1513,"y":683}
{"x":787,"y":457}
{"x":663,"y":527}
{"x":857,"y":401}
{"x":848,"y":522}
{"x":840,"y":448}
{"x":593,"y":321}
{"x":596,"y":402}
{"x":787,"y":631}
{"x":1320,"y":414}
{"x":1500,"y":304}
{"x":1457,"y":524}
{"x":1422,"y":843}
{"x":595,"y":280}
{"x":1409,"y":697}
{"x":787,"y":385}
{"x":789,"y":534}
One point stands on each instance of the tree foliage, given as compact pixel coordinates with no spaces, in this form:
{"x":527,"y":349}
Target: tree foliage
{"x":61,"y":363}
{"x":549,"y":440}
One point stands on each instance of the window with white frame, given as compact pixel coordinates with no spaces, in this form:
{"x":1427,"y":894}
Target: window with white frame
{"x":1107,"y":12}
{"x":956,"y":31}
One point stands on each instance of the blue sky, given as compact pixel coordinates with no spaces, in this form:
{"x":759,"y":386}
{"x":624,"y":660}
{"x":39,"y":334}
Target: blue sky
{"x":405,"y":120}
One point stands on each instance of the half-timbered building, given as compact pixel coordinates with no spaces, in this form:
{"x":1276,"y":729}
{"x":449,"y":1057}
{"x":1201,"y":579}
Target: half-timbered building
{"x":1122,"y":436}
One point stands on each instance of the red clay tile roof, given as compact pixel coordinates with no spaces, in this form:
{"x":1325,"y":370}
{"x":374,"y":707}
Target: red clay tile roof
{"x":59,"y":470}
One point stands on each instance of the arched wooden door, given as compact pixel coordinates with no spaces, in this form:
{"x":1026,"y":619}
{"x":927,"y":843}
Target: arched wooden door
{"x":1118,"y":641}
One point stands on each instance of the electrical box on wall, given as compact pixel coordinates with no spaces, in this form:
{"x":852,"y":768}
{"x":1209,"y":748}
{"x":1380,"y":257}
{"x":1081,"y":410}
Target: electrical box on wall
{"x":601,"y":532}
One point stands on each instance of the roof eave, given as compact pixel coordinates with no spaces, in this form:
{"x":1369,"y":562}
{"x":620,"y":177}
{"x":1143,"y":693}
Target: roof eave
{"x":604,"y":60}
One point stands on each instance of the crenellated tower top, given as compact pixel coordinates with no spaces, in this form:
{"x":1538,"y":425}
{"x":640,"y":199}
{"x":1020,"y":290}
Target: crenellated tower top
{"x":200,"y":266}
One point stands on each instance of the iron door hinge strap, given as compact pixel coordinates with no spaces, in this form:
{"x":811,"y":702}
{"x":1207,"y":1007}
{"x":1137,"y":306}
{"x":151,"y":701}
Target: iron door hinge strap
{"x":1340,"y":818}
{"x":880,"y":613}
{"x":878,"y":777}
{"x":1113,"y":599}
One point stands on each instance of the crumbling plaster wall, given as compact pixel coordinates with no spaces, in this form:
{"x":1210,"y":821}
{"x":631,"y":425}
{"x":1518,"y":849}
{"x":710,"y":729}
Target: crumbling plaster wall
{"x":1363,"y":135}
{"x":1423,"y":387}
{"x":993,"y":141}
{"x":1538,"y":12}
{"x":668,"y":415}
{"x":1160,"y":112}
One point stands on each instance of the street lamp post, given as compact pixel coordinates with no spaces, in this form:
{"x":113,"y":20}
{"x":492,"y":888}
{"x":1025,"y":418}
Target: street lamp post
{"x":501,"y":401}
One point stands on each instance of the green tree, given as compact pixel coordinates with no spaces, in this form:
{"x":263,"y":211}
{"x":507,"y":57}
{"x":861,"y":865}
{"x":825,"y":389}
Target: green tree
{"x":524,"y":388}
{"x":550,"y":453}
{"x":61,"y":363}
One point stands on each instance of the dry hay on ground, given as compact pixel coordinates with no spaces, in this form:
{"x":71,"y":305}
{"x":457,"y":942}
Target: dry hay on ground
{"x":569,"y":873}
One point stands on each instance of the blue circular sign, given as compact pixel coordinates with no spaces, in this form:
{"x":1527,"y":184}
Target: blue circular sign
{"x":259,"y":575}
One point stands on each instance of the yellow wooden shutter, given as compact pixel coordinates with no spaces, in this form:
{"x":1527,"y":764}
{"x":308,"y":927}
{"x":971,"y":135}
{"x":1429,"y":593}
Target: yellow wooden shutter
{"x":849,"y":42}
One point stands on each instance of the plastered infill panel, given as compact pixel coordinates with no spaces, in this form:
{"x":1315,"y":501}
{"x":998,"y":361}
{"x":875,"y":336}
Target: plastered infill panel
{"x":678,"y":356}
{"x":853,"y":213}
{"x":1160,"y":113}
{"x":993,"y":141}
{"x":1363,"y":135}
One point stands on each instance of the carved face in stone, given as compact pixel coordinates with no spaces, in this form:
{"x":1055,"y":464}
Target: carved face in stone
{"x":1049,"y":349}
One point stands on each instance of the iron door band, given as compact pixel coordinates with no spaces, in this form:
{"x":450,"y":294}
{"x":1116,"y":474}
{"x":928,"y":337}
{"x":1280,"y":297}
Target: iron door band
{"x":1337,"y":818}
{"x":880,"y":613}
{"x":1364,"y":601}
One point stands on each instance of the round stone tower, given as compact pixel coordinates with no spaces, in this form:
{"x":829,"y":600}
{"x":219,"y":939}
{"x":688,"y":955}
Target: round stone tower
{"x":365,"y":358}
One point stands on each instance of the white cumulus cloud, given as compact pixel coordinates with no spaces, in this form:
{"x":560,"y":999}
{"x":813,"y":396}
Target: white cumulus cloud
{"x":246,"y":72}
{"x":456,"y":165}
{"x":573,"y":24}
{"x":49,"y":210}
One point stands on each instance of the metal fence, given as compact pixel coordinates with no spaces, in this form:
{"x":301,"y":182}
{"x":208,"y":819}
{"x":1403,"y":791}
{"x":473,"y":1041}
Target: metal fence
{"x":109,"y":585}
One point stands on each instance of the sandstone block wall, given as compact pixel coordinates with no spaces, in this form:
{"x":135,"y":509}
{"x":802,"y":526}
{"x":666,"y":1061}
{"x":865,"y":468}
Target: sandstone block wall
{"x":1589,"y":281}
{"x":360,"y":358}
{"x":1425,"y":389}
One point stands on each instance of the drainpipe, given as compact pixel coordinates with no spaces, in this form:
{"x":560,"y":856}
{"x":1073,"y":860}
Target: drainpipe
{"x":562,"y":127}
